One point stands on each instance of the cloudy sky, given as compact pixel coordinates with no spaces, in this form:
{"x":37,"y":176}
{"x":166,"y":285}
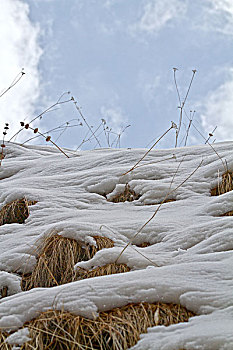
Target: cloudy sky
{"x":116,"y":57}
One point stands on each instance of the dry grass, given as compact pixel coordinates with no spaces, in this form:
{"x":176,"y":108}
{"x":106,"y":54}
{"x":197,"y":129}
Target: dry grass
{"x":3,"y":344}
{"x":109,"y":269}
{"x":56,"y":258}
{"x":229,"y":213}
{"x":3,"y":292}
{"x":128,"y":195}
{"x":143,"y":245}
{"x":226,"y":185}
{"x":118,"y":329}
{"x":15,"y":212}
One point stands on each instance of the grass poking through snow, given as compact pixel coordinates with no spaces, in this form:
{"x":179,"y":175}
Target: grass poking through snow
{"x":15,"y":212}
{"x":226,"y":185}
{"x":109,"y":269}
{"x":118,"y":329}
{"x":128,"y":195}
{"x":56,"y":257}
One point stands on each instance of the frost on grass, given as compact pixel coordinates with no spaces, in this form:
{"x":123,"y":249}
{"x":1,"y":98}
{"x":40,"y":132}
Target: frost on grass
{"x":189,"y":258}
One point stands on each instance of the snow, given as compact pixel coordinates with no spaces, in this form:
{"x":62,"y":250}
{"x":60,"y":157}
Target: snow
{"x":11,"y":281}
{"x":19,"y":337}
{"x":189,"y":260}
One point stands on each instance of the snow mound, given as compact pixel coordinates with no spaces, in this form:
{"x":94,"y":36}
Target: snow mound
{"x":188,"y":260}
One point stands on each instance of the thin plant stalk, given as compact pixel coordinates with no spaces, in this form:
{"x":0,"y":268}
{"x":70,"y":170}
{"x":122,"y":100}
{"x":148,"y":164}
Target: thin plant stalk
{"x":157,"y":209}
{"x":13,"y":83}
{"x":224,"y":166}
{"x":189,"y":126}
{"x":61,"y":127}
{"x":39,"y":116}
{"x":171,"y":127}
{"x":181,"y":107}
{"x":211,"y":134}
{"x":83,"y":118}
{"x":29,"y":127}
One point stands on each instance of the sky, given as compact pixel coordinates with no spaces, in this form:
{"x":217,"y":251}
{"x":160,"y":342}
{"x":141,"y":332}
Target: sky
{"x":116,"y":58}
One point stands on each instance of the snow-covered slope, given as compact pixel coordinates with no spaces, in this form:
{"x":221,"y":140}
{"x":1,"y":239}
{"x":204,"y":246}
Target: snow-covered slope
{"x":190,"y":256}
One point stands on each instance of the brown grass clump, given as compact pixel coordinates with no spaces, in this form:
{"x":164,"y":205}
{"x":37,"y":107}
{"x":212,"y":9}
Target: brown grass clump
{"x":118,"y":329}
{"x":15,"y":212}
{"x":56,"y":259}
{"x":225,"y":186}
{"x":128,"y":195}
{"x":3,"y":344}
{"x":109,"y":269}
{"x":229,"y":213}
{"x":143,"y":245}
{"x":3,"y":292}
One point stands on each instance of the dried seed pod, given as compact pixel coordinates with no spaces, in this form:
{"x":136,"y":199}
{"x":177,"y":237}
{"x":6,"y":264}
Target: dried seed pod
{"x":35,"y":130}
{"x":26,"y":126}
{"x":48,"y":138}
{"x":22,"y":123}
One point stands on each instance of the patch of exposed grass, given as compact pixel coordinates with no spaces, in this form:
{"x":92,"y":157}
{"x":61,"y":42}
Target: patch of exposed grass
{"x":109,"y":269}
{"x":143,"y":245}
{"x":56,"y":257}
{"x":118,"y":329}
{"x":15,"y":212}
{"x":3,"y":344}
{"x":229,"y":213}
{"x":128,"y":195}
{"x":3,"y":292}
{"x":226,"y":184}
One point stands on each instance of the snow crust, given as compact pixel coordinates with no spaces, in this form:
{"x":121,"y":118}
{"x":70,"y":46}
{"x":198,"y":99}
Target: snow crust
{"x":190,"y":257}
{"x":19,"y":337}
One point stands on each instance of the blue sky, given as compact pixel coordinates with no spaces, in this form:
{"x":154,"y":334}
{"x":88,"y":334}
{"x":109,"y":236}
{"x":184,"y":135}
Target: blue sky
{"x":117,"y":58}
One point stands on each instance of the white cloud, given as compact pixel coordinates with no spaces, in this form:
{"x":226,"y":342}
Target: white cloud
{"x":20,"y":48}
{"x":114,"y":117}
{"x":158,"y":13}
{"x":218,"y":111}
{"x":149,"y":87}
{"x":216,"y":15}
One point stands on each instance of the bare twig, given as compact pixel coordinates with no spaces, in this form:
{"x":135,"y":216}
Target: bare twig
{"x":47,"y":138}
{"x":13,"y":83}
{"x":156,"y":211}
{"x":173,"y":126}
{"x":83,"y":118}
{"x":39,"y":116}
{"x":211,"y":134}
{"x":189,"y":126}
{"x":6,"y":128}
{"x":182,"y":104}
{"x":224,"y":166}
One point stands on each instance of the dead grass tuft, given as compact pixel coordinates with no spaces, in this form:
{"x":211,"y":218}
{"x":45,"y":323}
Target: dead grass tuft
{"x":15,"y":212}
{"x":226,"y":185}
{"x":229,"y":213}
{"x":109,"y":269}
{"x":3,"y":344}
{"x":118,"y":329}
{"x":143,"y":245}
{"x":56,"y":258}
{"x":128,"y":195}
{"x":3,"y":292}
